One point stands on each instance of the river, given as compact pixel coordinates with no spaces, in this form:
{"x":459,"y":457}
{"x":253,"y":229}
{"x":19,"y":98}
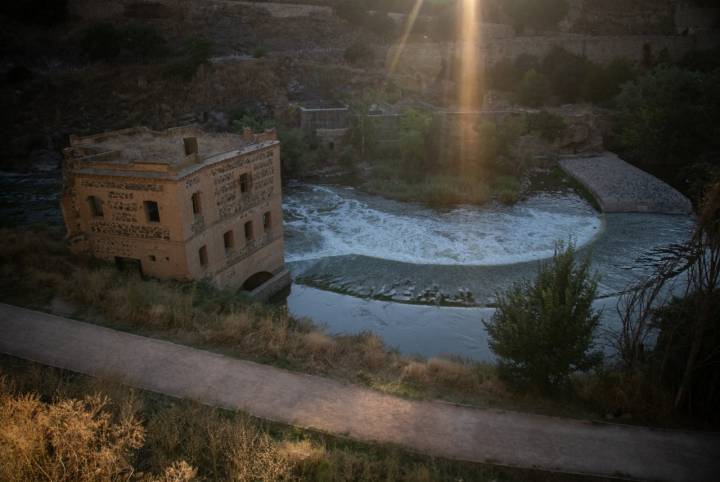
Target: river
{"x":421,"y":278}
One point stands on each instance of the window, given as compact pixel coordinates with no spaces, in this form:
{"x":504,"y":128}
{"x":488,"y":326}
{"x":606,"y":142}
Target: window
{"x":96,"y":206}
{"x":248,"y":231}
{"x":245,"y":183}
{"x":267,"y":221}
{"x":202,"y":254}
{"x":152,"y":212}
{"x":229,"y":240}
{"x":153,"y":258}
{"x":196,"y":204}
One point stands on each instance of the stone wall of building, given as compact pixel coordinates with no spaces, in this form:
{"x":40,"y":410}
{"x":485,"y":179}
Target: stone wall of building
{"x":170,"y":248}
{"x":225,"y":209}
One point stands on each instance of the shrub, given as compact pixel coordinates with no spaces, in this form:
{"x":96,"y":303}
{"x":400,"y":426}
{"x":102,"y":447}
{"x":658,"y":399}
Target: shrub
{"x":604,"y":83}
{"x":352,"y":11}
{"x":195,"y":53}
{"x":507,"y":189}
{"x":69,"y":440}
{"x":359,"y":53}
{"x":548,"y":125}
{"x":506,"y":75}
{"x":535,"y":14}
{"x":102,"y":42}
{"x":566,"y":72}
{"x":259,"y":53}
{"x":702,"y":60}
{"x":669,"y":115}
{"x":534,"y":90}
{"x":677,"y":323}
{"x":380,"y":23}
{"x":45,"y":13}
{"x":144,"y":42}
{"x":543,"y":331}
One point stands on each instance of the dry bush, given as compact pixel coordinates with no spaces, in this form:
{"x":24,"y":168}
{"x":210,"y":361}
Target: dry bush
{"x":442,"y":373}
{"x":179,"y":471}
{"x":69,"y":440}
{"x":228,"y":448}
{"x":626,"y":394}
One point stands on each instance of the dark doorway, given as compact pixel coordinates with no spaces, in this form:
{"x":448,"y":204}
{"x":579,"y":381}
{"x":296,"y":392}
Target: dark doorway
{"x":256,"y":280}
{"x":129,"y":265}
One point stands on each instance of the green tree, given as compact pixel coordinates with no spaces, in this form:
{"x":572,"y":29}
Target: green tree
{"x":543,"y":331}
{"x":604,"y":83}
{"x":548,"y":125}
{"x":144,"y":42}
{"x":414,"y":128}
{"x":293,"y":145}
{"x":669,"y":116}
{"x":566,"y":72}
{"x":353,"y":11}
{"x":359,"y":53}
{"x":195,"y":54}
{"x":102,"y":42}
{"x":534,"y":90}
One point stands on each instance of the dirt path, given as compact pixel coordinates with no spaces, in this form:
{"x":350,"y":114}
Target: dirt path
{"x":488,"y":436}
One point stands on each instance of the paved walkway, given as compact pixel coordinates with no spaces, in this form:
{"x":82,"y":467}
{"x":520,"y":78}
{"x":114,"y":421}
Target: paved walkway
{"x":622,"y":188}
{"x":488,"y":436}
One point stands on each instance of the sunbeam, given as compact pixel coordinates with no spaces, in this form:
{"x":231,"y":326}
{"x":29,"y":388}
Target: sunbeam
{"x":412,"y":18}
{"x":467,"y":72}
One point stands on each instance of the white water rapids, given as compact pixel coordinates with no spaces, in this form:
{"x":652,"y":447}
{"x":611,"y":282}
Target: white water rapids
{"x":323,"y":222}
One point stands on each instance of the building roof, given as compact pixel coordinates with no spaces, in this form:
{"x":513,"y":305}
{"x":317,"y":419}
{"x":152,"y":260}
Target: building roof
{"x":141,"y":152}
{"x":141,"y":145}
{"x":324,"y":105}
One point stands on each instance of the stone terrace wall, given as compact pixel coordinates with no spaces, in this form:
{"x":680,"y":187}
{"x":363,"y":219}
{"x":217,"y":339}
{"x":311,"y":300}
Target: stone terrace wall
{"x":421,"y":65}
{"x":621,"y":17}
{"x":289,"y":10}
{"x":601,"y":49}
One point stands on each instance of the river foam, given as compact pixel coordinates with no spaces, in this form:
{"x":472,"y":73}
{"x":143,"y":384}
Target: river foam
{"x":325,"y":222}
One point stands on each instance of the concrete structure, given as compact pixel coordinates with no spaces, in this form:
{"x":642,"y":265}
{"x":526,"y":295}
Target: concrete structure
{"x":328,"y":121}
{"x":179,"y":204}
{"x":622,"y":188}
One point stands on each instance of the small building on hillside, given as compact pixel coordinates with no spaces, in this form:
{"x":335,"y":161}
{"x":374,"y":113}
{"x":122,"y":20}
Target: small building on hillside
{"x":179,"y":204}
{"x":329,"y":121}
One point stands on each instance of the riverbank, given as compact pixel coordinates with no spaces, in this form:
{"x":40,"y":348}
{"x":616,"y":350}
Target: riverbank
{"x":38,"y":272}
{"x":443,"y":190}
{"x":620,"y":187}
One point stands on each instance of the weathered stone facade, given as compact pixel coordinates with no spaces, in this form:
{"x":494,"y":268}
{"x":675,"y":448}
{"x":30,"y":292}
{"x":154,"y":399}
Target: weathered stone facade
{"x":179,"y":204}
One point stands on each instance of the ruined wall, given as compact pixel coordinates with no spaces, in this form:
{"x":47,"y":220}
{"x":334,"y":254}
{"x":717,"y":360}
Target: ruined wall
{"x":423,"y":65}
{"x":131,"y":9}
{"x":620,"y":17}
{"x":691,"y":18}
{"x":600,"y":49}
{"x":289,"y":10}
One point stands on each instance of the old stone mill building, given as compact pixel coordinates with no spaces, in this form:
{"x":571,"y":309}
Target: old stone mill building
{"x":179,"y":204}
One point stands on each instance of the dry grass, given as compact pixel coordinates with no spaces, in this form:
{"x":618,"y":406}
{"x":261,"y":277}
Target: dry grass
{"x":67,"y":440}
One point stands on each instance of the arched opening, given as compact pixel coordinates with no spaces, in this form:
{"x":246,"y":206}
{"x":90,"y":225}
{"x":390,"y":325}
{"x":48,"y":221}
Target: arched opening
{"x":256,"y":280}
